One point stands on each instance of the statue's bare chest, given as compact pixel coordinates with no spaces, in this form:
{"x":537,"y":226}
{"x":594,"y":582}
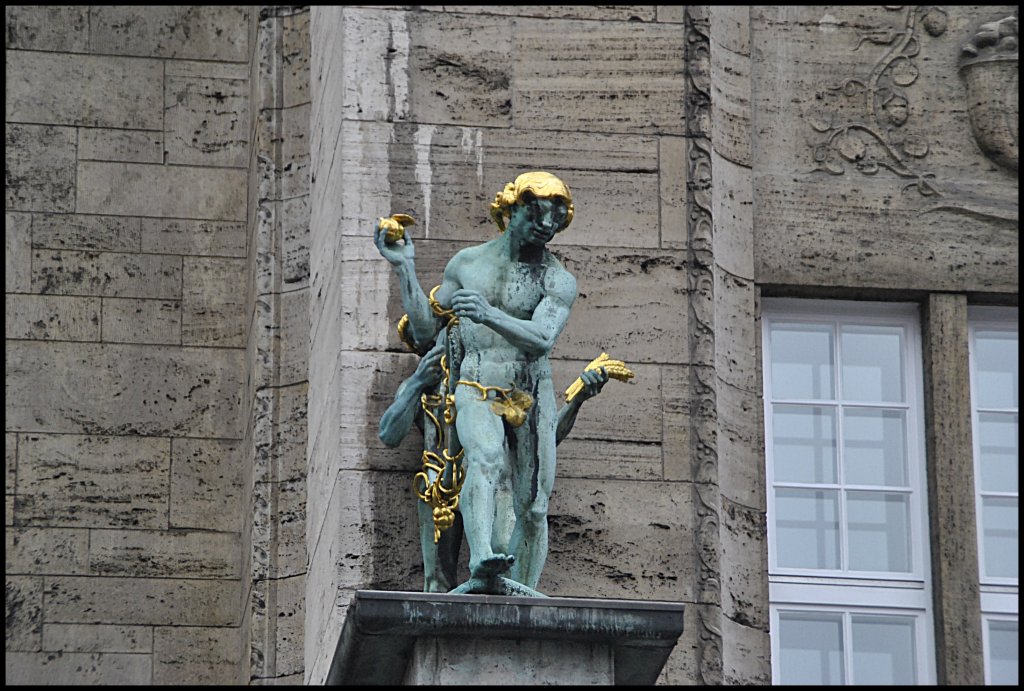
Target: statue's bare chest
{"x":516,"y":288}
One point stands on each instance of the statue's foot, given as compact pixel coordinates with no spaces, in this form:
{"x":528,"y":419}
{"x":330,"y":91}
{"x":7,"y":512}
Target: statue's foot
{"x":498,"y":585}
{"x":489,"y":568}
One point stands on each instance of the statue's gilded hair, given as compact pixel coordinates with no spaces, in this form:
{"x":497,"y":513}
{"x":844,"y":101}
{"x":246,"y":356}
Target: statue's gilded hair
{"x":543,"y":185}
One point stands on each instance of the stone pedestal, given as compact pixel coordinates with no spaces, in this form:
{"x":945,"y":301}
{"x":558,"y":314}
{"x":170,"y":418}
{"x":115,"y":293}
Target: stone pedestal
{"x":429,"y":638}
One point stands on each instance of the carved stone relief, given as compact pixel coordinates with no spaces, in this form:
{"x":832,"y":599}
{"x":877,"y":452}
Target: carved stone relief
{"x":988,"y":67}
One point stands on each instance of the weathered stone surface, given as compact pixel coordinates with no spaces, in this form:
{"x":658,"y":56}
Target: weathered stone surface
{"x":598,"y":76}
{"x":109,"y":274}
{"x":72,"y":669}
{"x":293,"y":167}
{"x":673,"y":168}
{"x":123,"y":389}
{"x":46,"y":551}
{"x":207,"y":121}
{"x":746,"y":659}
{"x":180,"y":554}
{"x":675,"y":387}
{"x":598,"y":537}
{"x":47,"y":28}
{"x":135,"y":601}
{"x":206,"y":486}
{"x":670,"y":13}
{"x":599,"y":12}
{"x":23,"y":608}
{"x":295,"y":54}
{"x":733,"y":210}
{"x":10,"y":461}
{"x":17,"y":252}
{"x":279,"y":518}
{"x":293,"y":353}
{"x":138,"y":189}
{"x":279,"y":430}
{"x":448,"y":176}
{"x":952,"y":533}
{"x":97,"y":638}
{"x":141,"y":321}
{"x":82,"y":481}
{"x":744,"y":565}
{"x":631,"y":303}
{"x":199,"y":238}
{"x":740,"y":438}
{"x":140,"y":146}
{"x":40,"y":168}
{"x":196,"y":655}
{"x":94,"y":91}
{"x":731,"y":85}
{"x":198,"y":32}
{"x":212,"y":307}
{"x":81,"y":232}
{"x":52,"y":317}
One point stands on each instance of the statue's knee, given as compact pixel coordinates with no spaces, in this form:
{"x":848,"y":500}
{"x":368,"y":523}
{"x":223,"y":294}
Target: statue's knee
{"x":536,"y":516}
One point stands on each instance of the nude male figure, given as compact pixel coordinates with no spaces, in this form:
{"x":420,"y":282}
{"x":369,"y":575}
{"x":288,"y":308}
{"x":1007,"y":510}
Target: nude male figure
{"x":512,"y":298}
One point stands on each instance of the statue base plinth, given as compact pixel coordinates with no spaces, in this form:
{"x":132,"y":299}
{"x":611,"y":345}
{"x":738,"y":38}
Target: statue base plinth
{"x":432,"y":638}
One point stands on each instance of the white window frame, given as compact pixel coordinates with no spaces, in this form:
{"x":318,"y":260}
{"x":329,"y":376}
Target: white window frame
{"x":845,"y":591}
{"x":999,"y":594}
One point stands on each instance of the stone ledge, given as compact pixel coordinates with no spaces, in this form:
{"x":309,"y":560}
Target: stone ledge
{"x":381,"y":629}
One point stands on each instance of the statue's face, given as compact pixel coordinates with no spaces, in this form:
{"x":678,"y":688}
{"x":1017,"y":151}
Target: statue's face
{"x":537,"y":220}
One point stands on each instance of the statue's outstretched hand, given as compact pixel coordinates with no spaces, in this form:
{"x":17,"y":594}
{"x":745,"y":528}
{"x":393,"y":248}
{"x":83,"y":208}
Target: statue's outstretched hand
{"x":593,"y":381}
{"x":471,"y":305}
{"x":396,"y":253}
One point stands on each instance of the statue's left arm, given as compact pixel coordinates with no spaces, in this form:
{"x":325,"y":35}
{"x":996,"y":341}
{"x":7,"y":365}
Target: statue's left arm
{"x":535,"y":336}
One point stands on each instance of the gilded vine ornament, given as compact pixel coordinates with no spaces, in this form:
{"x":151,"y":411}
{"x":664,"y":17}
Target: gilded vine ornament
{"x":872,"y":139}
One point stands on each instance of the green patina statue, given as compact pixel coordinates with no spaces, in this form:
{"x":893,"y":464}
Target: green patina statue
{"x":484,"y":386}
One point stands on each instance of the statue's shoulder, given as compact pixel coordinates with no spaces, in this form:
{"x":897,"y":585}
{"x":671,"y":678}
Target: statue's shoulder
{"x":557,"y":278}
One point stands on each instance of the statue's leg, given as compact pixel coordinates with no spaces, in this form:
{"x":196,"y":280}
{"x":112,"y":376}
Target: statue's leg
{"x":481,"y":433}
{"x":534,"y":479}
{"x":434,"y":579}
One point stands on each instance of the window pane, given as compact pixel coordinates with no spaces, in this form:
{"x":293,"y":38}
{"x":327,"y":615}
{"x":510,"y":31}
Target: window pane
{"x":811,"y":648}
{"x":872,"y":363}
{"x":883,"y":650}
{"x":1003,"y":663}
{"x":801,"y":361}
{"x":999,"y":525}
{"x":804,"y":444}
{"x":874,"y":447}
{"x":995,"y":362}
{"x":997,"y":440}
{"x":879,"y":531}
{"x":807,"y":528}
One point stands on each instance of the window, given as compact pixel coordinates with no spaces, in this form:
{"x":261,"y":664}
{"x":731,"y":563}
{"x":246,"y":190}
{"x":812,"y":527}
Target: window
{"x":848,"y":549}
{"x":995,"y":380}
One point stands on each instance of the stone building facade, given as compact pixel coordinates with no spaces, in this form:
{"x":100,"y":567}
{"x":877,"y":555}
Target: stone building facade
{"x":200,"y":334}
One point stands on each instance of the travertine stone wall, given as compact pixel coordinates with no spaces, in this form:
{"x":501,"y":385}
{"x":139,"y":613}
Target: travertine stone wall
{"x":431,"y":112}
{"x":275,"y":441}
{"x":127,"y":147}
{"x":906,"y":199}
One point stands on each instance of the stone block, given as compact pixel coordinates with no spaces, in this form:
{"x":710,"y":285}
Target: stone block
{"x":213,"y":310}
{"x":80,"y":232}
{"x":279,"y":431}
{"x":295,"y":55}
{"x":631,"y":303}
{"x":196,"y":32}
{"x":671,"y":13}
{"x":746,"y":655}
{"x":196,"y":655}
{"x":10,"y":461}
{"x":90,"y":90}
{"x":127,"y":320}
{"x":279,"y":529}
{"x":731,"y":87}
{"x":138,"y":189}
{"x":17,"y":252}
{"x":293,"y":174}
{"x":598,"y":76}
{"x":675,"y":387}
{"x":52,"y":317}
{"x":283,"y":626}
{"x":197,"y":238}
{"x":139,"y":146}
{"x":741,"y":464}
{"x":673,"y":169}
{"x":98,"y":482}
{"x":140,"y":601}
{"x":206,"y":484}
{"x":64,"y":29}
{"x":735,"y":336}
{"x":124,"y":389}
{"x":174,"y":554}
{"x":46,"y":551}
{"x":201,"y":69}
{"x":643,"y":13}
{"x":73,"y":669}
{"x":598,"y":538}
{"x":108,"y":274}
{"x":8,"y":509}
{"x":97,"y":638}
{"x":40,"y":168}
{"x":23,"y":607}
{"x":293,"y":356}
{"x":733,"y":213}
{"x":207,"y":121}
{"x":744,"y":565}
